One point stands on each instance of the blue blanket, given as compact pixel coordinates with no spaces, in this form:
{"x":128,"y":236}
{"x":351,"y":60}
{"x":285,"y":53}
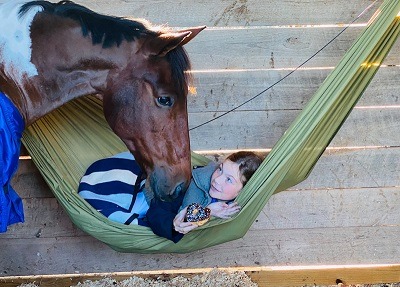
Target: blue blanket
{"x":11,"y":128}
{"x":114,"y":187}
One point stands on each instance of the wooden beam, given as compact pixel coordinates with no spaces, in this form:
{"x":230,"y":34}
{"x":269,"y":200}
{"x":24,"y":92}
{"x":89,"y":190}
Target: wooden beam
{"x":264,"y":276}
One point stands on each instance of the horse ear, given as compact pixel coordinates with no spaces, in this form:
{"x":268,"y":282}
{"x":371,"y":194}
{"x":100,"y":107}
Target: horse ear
{"x":166,"y":42}
{"x":194,"y":31}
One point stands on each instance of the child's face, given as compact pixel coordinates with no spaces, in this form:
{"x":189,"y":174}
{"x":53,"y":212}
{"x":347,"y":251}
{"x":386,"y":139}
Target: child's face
{"x":225,"y":181}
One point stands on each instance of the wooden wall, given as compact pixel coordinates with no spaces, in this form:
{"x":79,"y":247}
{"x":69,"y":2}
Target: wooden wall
{"x":346,"y":212}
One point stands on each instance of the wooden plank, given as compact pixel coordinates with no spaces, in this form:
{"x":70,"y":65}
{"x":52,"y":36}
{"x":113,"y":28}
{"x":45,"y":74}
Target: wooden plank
{"x":326,"y":275}
{"x":355,"y":169}
{"x":44,"y":217}
{"x":262,"y":129}
{"x":291,"y":247}
{"x":331,"y":208}
{"x":322,"y":246}
{"x":28,"y":181}
{"x":234,"y":13}
{"x":272,"y":48}
{"x":222,"y":91}
{"x":281,"y":276}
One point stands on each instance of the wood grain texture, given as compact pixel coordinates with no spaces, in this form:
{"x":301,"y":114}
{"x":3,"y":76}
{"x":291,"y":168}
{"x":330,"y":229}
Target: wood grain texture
{"x":290,"y":247}
{"x":233,"y":13}
{"x":222,"y":91}
{"x":262,"y":129}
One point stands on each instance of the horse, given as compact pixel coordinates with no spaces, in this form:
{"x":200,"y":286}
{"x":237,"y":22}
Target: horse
{"x":52,"y":53}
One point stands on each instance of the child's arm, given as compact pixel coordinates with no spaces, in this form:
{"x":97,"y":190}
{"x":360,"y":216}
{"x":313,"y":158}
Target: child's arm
{"x":223,"y":209}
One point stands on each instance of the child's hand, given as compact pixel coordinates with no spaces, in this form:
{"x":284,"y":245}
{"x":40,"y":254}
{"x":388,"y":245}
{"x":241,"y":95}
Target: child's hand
{"x":180,"y":225}
{"x":223,"y":210}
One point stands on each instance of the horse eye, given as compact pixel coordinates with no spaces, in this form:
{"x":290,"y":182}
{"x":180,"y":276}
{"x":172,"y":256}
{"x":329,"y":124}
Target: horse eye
{"x":165,"y":101}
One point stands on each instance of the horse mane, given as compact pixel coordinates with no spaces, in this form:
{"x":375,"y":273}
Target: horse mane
{"x":110,"y":30}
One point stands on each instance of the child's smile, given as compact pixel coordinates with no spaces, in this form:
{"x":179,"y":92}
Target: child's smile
{"x":225,"y":181}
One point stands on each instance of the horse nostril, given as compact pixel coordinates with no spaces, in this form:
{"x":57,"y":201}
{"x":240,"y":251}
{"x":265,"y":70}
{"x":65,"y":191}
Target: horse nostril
{"x":179,"y":189}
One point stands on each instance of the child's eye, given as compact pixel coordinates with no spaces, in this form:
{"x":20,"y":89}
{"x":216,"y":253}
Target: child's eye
{"x":229,"y":180}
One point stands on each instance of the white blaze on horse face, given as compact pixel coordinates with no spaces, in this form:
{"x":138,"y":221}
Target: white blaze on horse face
{"x":15,"y":40}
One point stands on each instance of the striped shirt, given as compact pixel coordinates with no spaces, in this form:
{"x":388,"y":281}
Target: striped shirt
{"x":114,"y":187}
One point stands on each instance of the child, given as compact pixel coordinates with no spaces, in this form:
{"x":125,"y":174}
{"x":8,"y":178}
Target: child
{"x":213,"y":186}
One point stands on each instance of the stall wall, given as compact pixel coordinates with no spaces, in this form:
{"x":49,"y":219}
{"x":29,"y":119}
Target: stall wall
{"x":346,"y":212}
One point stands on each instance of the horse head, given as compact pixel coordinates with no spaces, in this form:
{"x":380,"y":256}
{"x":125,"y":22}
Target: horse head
{"x":146,"y":106}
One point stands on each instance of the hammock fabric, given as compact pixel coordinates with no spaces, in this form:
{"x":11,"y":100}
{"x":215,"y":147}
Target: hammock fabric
{"x":64,"y":143}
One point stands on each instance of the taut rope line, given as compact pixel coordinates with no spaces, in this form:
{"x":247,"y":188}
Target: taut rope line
{"x":288,"y":74}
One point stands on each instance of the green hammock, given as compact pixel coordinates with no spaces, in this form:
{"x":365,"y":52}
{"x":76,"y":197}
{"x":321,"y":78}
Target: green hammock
{"x":64,"y":143}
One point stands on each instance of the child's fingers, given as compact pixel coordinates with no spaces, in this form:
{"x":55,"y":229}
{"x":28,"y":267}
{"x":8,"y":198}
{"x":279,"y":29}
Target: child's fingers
{"x":228,"y":212}
{"x":185,"y":228}
{"x":233,"y":204}
{"x":233,"y":209}
{"x":185,"y":224}
{"x":180,"y":224}
{"x":190,"y":228}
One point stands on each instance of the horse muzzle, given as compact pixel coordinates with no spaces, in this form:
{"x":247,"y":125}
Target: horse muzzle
{"x":167,"y":188}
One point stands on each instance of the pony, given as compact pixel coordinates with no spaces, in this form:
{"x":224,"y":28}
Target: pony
{"x":52,"y":53}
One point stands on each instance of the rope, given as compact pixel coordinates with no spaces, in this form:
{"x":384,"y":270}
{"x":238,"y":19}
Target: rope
{"x":290,"y":73}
